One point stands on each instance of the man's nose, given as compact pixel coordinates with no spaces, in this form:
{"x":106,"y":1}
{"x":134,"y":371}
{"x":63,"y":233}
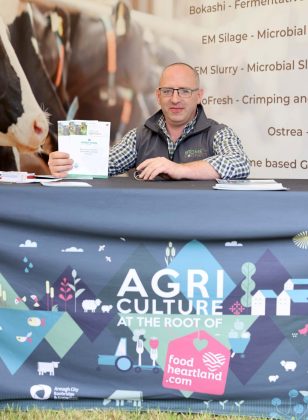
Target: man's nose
{"x":175,"y":96}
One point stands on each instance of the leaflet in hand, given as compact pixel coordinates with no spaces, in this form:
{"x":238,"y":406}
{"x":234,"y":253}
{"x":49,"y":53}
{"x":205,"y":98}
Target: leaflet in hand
{"x":87,"y":143}
{"x":249,"y":184}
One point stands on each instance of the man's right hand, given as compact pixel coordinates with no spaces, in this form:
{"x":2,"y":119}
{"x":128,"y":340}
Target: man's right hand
{"x":59,"y":164}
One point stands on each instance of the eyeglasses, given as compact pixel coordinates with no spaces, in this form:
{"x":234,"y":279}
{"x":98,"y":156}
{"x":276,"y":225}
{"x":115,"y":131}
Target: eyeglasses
{"x":182,"y":92}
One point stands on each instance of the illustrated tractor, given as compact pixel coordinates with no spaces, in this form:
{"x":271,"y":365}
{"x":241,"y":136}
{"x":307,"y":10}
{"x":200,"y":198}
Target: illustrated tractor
{"x":123,"y":362}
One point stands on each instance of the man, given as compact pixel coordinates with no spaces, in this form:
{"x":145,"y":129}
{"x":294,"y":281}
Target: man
{"x":177,"y":142}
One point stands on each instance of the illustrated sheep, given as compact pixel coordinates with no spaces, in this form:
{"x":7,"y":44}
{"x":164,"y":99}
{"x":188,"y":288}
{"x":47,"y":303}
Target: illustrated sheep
{"x":288,"y":365}
{"x":90,"y":304}
{"x":106,"y":308}
{"x":273,"y":378}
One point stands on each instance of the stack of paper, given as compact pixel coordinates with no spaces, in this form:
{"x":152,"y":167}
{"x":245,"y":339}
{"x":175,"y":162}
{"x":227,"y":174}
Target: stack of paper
{"x":15,"y":176}
{"x":249,"y":184}
{"x":18,"y":177}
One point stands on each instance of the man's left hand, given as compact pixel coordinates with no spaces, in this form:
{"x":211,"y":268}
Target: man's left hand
{"x":151,"y":168}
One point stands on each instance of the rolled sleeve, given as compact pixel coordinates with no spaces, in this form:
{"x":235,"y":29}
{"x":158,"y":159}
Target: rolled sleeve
{"x":229,"y":160}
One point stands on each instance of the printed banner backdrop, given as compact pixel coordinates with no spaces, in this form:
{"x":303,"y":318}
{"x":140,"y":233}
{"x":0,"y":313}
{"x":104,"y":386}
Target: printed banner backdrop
{"x":251,"y":56}
{"x":252,"y":60}
{"x":111,"y":320}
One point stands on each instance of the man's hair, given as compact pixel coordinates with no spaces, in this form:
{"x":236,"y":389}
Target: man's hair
{"x":194,"y":71}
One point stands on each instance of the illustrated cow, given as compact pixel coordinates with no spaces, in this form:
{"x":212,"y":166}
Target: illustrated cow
{"x":47,"y":367}
{"x":120,"y":396}
{"x":23,"y":124}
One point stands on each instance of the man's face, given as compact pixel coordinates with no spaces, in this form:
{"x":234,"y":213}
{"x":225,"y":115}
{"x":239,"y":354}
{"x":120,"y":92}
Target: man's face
{"x":178,"y":111}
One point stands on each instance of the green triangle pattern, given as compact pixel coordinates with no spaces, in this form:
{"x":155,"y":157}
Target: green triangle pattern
{"x":64,"y":335}
{"x":10,"y":296}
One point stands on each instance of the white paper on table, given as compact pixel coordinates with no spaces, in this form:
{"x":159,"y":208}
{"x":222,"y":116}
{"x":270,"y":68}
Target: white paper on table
{"x":16,"y":177}
{"x":87,"y":143}
{"x":66,"y":184}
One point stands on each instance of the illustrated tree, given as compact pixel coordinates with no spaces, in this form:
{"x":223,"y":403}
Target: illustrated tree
{"x":169,"y":253}
{"x":248,"y":285}
{"x":77,"y":292}
{"x":65,"y":289}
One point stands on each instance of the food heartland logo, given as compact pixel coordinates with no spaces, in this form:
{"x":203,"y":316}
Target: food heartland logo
{"x":213,"y":361}
{"x":197,"y":363}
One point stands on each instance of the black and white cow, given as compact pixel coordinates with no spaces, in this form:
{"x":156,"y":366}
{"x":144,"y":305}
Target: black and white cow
{"x":23,"y":124}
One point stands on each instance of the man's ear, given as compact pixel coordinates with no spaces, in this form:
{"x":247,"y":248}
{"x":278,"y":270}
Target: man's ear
{"x":200,"y":95}
{"x":157,"y":93}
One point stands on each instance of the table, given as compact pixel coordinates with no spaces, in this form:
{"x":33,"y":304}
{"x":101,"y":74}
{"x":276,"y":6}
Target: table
{"x":165,"y":295}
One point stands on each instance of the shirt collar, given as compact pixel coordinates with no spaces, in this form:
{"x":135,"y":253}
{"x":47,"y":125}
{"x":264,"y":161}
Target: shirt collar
{"x":187,"y":129}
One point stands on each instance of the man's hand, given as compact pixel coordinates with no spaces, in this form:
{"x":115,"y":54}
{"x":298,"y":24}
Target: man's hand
{"x":151,"y":168}
{"x":59,"y":164}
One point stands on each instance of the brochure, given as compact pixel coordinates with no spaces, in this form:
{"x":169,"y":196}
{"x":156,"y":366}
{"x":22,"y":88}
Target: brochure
{"x":249,"y":184}
{"x":87,"y":143}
